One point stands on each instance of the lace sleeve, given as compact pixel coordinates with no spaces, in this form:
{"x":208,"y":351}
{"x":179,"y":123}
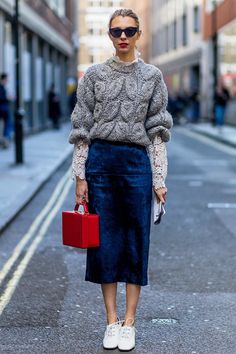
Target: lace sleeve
{"x":79,"y":158}
{"x":158,"y":158}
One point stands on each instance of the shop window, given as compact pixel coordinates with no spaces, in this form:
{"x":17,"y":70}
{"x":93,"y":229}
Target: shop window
{"x":9,"y":57}
{"x":27,"y":67}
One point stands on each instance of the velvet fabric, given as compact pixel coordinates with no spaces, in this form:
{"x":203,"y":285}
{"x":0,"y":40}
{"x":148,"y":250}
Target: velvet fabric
{"x":119,"y":181}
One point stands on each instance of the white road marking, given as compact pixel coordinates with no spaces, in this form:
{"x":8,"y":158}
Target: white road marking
{"x":30,"y":233}
{"x":12,"y":284}
{"x":221,"y":205}
{"x":195,"y":184}
{"x":218,"y":145}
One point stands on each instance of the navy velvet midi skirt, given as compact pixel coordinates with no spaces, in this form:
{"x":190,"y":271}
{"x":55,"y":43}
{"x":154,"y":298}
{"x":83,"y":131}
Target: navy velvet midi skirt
{"x":119,"y":181}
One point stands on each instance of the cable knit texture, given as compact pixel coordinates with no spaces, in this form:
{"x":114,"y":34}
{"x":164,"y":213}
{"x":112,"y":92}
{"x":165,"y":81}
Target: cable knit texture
{"x":121,"y":103}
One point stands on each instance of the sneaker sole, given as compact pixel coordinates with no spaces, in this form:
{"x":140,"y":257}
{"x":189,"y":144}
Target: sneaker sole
{"x":110,"y":348}
{"x":126,"y":350}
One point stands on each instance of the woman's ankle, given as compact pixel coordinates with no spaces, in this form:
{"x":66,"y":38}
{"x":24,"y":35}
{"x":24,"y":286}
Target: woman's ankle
{"x":129,"y":320}
{"x":111,"y":318}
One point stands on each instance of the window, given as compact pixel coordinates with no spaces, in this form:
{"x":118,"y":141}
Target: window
{"x":196,"y":19}
{"x":59,"y":6}
{"x":166,"y":38}
{"x":174,"y":35}
{"x":155,"y":44}
{"x":184,"y":30}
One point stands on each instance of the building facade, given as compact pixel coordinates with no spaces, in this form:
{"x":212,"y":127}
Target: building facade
{"x":46,"y":50}
{"x":219,"y":35}
{"x":143,"y":10}
{"x":177,"y":43}
{"x":94,"y":43}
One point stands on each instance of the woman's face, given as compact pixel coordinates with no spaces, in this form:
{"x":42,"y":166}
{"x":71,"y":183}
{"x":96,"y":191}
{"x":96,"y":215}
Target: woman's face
{"x":124,"y":44}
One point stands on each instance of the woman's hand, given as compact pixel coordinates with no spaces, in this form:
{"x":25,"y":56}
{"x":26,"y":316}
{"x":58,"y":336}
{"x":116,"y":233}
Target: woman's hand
{"x":161,"y":194}
{"x":81,"y":191}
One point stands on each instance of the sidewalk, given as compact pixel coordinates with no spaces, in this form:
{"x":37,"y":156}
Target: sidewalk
{"x":226,"y":135}
{"x":43,"y":154}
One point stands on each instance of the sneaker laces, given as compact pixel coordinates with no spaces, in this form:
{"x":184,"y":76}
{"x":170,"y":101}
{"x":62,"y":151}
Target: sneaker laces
{"x":126,"y":331}
{"x":111,"y":327}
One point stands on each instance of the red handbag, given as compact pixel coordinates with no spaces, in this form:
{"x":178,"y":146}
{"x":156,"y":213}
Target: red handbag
{"x":80,"y":228}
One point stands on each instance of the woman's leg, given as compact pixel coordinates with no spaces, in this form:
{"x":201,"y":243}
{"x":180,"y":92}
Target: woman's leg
{"x":109,"y":295}
{"x":132,"y":298}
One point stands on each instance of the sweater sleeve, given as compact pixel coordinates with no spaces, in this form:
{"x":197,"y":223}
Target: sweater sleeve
{"x":159,"y":121}
{"x":159,"y":163}
{"x":80,"y":155}
{"x":82,"y":116}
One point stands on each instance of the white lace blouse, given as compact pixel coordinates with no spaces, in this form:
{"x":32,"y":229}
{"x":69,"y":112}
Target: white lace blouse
{"x":156,"y":152}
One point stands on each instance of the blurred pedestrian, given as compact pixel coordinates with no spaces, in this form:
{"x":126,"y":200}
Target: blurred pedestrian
{"x":119,"y":128}
{"x":72,"y":100}
{"x":54,"y":107}
{"x":194,"y":106}
{"x":222,"y":97}
{"x":5,"y":115}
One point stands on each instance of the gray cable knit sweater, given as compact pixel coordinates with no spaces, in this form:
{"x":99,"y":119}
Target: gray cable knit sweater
{"x":121,"y":103}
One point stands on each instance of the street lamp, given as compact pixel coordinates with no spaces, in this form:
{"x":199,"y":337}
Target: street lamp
{"x":19,"y":112}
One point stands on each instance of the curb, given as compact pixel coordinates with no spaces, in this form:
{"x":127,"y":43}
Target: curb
{"x":12,"y":212}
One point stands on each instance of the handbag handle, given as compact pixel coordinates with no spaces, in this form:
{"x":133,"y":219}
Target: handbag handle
{"x":84,"y":205}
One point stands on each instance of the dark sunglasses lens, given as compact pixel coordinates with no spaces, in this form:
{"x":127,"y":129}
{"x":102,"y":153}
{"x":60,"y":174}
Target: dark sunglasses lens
{"x":130,"y":31}
{"x":115,"y":32}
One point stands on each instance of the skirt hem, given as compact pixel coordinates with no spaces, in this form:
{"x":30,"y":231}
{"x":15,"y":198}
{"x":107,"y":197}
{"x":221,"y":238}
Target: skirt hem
{"x":119,"y":280}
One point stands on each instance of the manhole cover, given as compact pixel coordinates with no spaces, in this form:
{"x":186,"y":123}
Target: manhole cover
{"x":165,"y":321}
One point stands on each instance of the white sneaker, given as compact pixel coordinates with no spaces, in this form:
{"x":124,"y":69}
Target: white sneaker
{"x":127,"y":338}
{"x":111,"y":336}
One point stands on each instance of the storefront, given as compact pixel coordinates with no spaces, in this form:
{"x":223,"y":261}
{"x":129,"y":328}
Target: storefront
{"x":41,"y":65}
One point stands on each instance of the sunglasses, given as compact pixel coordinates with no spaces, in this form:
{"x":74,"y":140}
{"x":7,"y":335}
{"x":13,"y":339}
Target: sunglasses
{"x":129,"y":31}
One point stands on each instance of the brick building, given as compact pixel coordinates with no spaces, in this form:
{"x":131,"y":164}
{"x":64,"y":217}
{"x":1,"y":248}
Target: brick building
{"x":46,"y":54}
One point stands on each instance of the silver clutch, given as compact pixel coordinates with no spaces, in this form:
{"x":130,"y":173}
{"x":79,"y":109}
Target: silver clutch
{"x":158,"y":210}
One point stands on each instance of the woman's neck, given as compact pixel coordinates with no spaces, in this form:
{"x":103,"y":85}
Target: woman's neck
{"x":126,"y":57}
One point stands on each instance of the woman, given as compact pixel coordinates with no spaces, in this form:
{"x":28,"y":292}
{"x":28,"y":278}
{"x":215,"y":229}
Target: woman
{"x":120,"y":125}
{"x":54,"y":107}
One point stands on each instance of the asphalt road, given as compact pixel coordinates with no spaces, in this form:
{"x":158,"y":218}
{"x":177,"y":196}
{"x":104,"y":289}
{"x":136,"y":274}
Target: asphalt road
{"x":189,"y":305}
